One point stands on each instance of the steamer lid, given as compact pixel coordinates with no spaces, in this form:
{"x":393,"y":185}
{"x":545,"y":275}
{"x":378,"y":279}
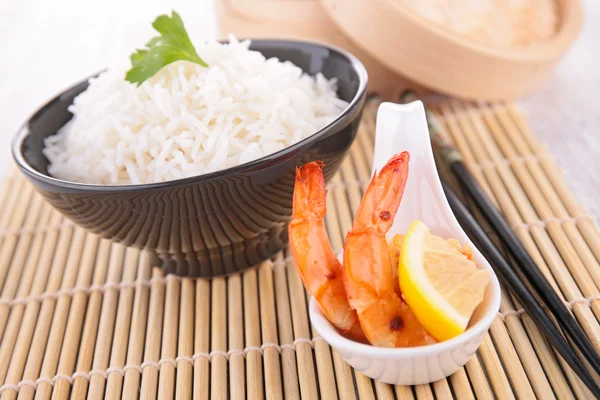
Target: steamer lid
{"x":434,"y":57}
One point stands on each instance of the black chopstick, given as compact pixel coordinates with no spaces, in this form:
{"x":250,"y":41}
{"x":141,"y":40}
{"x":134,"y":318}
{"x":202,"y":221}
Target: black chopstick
{"x":527,"y":265}
{"x":525,"y":298}
{"x":453,"y":159}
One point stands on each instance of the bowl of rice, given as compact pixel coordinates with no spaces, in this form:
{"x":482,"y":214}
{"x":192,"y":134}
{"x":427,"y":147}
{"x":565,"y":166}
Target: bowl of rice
{"x":197,"y":164}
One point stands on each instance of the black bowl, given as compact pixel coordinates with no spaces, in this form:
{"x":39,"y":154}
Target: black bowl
{"x":213,"y":224}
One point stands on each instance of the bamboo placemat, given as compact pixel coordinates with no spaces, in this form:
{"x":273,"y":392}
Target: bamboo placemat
{"x":83,"y":317}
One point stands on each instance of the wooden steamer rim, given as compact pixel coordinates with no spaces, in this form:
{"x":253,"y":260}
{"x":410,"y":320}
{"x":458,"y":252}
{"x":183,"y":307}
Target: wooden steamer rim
{"x":436,"y":57}
{"x":268,"y":11}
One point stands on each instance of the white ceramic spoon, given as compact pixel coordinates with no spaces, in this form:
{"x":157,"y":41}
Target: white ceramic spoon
{"x":399,"y":128}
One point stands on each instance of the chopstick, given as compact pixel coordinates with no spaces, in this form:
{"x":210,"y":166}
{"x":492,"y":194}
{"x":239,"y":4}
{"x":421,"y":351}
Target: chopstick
{"x":453,"y":159}
{"x":525,"y":298}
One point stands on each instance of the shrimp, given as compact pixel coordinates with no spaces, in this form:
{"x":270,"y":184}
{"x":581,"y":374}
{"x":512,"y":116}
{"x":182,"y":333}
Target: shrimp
{"x":385,"y":318}
{"x":317,"y":264}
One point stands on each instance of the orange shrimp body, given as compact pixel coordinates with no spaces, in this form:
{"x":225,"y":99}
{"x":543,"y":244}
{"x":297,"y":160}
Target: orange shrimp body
{"x":368,"y":276}
{"x":317,"y":264}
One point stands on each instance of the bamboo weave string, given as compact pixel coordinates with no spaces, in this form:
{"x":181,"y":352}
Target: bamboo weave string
{"x":81,"y":317}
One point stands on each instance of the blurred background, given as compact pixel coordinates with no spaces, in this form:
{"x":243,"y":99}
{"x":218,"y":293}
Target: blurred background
{"x":46,"y":46}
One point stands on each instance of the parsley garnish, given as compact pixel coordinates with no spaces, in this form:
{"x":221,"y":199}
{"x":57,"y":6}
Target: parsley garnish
{"x":172,"y":45}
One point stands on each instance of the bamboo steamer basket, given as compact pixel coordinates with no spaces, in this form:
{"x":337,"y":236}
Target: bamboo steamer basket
{"x":402,"y":50}
{"x":436,"y":57}
{"x":307,"y":20}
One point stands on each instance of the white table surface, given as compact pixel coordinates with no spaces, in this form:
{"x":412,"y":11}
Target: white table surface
{"x":47,"y":45}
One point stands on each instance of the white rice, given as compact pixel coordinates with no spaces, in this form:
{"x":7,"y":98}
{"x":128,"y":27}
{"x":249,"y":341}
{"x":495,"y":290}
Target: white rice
{"x":189,"y":120}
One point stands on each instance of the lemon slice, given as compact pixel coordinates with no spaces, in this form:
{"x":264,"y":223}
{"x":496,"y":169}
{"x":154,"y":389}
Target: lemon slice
{"x":439,"y":281}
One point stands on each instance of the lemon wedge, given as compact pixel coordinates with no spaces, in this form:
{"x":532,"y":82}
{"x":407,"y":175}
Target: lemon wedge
{"x":439,"y":281}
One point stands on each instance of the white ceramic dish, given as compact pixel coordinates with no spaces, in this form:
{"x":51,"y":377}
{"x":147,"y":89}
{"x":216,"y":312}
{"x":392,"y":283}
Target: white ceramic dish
{"x":404,"y":127}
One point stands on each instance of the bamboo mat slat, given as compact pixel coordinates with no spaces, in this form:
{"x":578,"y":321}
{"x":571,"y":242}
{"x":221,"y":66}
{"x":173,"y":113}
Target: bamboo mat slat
{"x":82,"y":317}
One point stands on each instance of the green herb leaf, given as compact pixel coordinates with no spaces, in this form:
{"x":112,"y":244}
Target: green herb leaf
{"x":172,"y":45}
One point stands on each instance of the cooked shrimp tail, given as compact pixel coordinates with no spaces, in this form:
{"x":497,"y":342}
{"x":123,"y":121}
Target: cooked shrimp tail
{"x":368,"y":277}
{"x":317,"y":264}
{"x":383,"y":196}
